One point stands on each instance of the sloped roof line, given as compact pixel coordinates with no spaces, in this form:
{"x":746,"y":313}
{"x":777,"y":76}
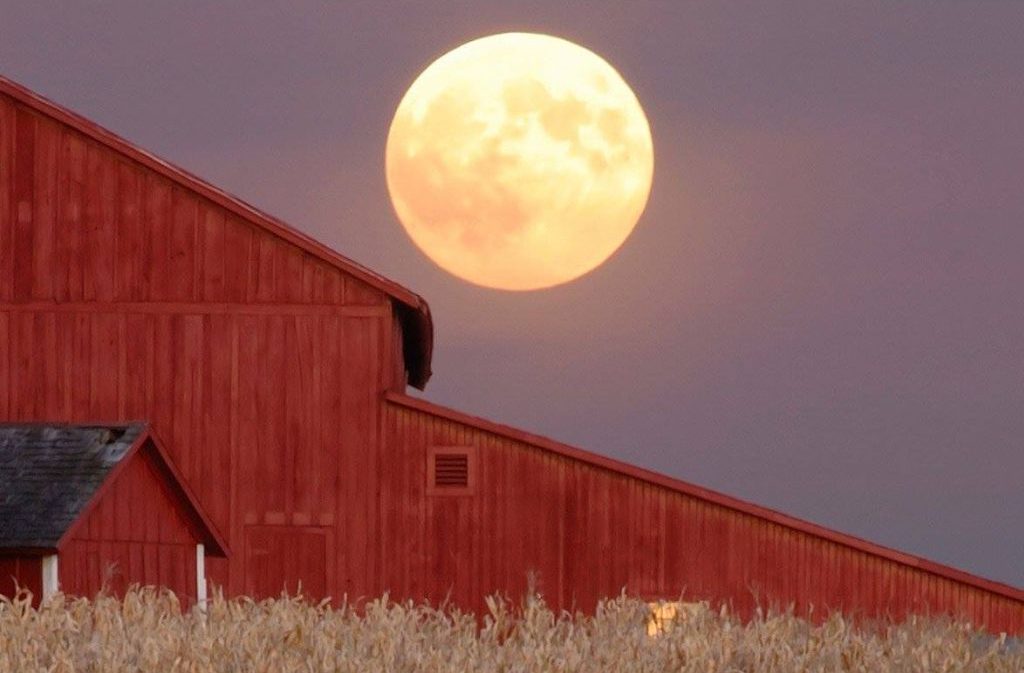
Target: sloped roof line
{"x":50,"y":473}
{"x":705,"y":494}
{"x":215,"y":543}
{"x":414,"y":313}
{"x":59,"y":473}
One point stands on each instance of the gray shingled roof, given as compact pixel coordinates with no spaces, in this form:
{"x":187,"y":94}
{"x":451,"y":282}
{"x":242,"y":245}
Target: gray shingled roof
{"x":48,"y":473}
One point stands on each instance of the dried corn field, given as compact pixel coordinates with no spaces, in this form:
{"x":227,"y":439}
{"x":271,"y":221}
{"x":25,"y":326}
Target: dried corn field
{"x":147,"y":631}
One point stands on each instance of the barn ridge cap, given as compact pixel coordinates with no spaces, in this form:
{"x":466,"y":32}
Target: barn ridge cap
{"x":701,"y":493}
{"x":412,"y":310}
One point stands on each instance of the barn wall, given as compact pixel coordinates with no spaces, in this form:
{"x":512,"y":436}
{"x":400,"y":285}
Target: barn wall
{"x":272,"y":419}
{"x":24,"y":571}
{"x":134,"y":534}
{"x":589,"y":532}
{"x":124,"y":296}
{"x":84,"y":223}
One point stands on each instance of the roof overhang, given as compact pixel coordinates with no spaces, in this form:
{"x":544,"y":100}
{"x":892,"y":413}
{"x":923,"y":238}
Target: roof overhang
{"x":27,"y":551}
{"x":417,"y":342}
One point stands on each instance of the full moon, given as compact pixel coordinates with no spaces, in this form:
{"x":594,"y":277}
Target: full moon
{"x":519,"y":161}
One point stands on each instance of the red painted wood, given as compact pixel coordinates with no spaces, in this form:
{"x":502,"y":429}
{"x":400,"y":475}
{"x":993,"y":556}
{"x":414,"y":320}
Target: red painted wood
{"x":136,"y":515}
{"x":610,"y":525}
{"x":22,"y":571}
{"x":165,"y":334}
{"x":7,"y":213}
{"x":131,"y":290}
{"x":358,"y":284}
{"x":286,"y":559}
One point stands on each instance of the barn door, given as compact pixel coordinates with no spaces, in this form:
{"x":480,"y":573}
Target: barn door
{"x":286,"y":558}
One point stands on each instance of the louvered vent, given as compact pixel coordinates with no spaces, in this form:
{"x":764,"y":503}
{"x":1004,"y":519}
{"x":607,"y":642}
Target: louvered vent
{"x":451,"y":470}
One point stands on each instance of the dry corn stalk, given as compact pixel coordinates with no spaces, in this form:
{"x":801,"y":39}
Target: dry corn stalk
{"x":147,"y":631}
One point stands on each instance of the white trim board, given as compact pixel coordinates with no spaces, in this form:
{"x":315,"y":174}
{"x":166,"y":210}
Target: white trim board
{"x":201,"y":594}
{"x":51,"y":576}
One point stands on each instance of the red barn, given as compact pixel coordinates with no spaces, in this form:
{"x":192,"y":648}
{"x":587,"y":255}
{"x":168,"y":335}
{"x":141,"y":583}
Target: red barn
{"x":275,"y":369}
{"x":85,"y":507}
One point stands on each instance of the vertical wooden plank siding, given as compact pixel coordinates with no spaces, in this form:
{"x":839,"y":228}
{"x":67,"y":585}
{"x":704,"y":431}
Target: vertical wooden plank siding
{"x":25,"y":572}
{"x":7,"y":210}
{"x":302,"y":436}
{"x":82,"y":222}
{"x":127,"y":294}
{"x":612,"y":530}
{"x":135,"y":518}
{"x":23,"y":202}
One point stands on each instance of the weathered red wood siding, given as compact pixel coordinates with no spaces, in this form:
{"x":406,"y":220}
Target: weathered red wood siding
{"x":124,"y":295}
{"x":133,"y":534}
{"x":588,"y":532}
{"x":21,"y":571}
{"x":84,"y":223}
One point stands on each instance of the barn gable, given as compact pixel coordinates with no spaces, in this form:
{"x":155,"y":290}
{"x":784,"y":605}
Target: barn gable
{"x":53,"y":477}
{"x":97,"y":219}
{"x":91,"y":507}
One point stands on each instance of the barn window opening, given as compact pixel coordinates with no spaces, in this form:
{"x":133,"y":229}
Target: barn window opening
{"x":450,"y":470}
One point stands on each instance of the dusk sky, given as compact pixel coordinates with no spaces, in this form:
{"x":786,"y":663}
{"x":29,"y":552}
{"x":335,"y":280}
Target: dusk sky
{"x":821,"y":309}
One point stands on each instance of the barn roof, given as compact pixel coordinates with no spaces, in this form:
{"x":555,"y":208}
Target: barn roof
{"x":51,"y":475}
{"x":412,"y":310}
